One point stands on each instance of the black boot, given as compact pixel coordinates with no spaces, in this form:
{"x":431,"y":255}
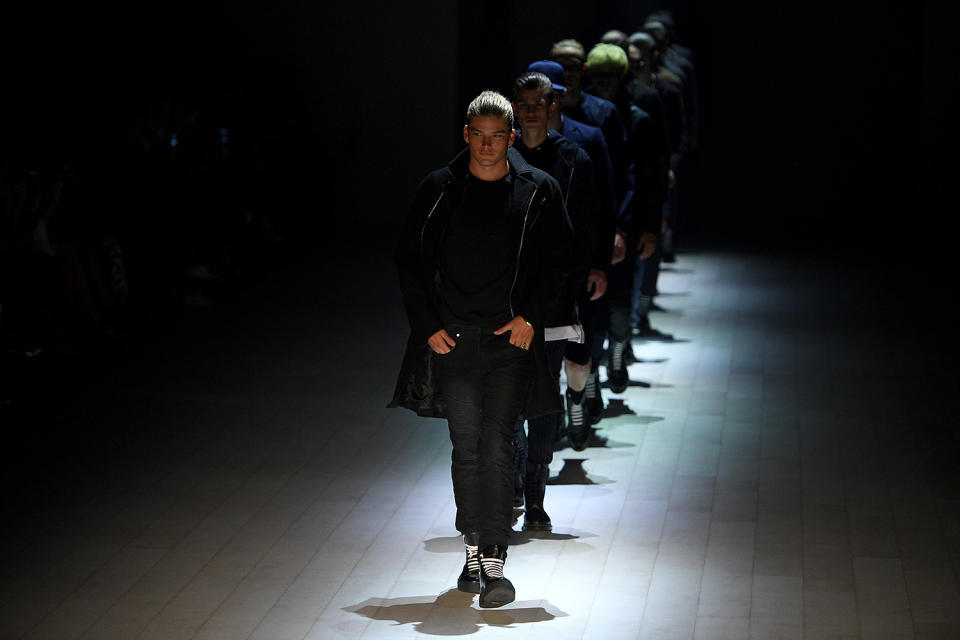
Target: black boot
{"x":519,"y":462}
{"x":469,"y":579}
{"x":617,"y":369}
{"x":535,"y":487}
{"x":578,"y":428}
{"x":593,"y":401}
{"x":495,"y":590}
{"x":647,"y":332}
{"x":517,"y":490}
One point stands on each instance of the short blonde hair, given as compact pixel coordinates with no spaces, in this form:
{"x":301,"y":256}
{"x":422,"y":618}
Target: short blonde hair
{"x":568,"y":43}
{"x":491,"y":103}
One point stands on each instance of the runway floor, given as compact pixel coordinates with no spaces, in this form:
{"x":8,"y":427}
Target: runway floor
{"x":784,"y":469}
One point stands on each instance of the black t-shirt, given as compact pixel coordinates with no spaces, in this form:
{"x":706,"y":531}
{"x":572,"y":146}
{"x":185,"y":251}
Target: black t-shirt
{"x":478,"y":256}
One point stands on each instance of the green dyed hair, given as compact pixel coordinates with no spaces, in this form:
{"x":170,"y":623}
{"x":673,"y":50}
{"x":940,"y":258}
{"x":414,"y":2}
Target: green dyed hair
{"x":607,"y":56}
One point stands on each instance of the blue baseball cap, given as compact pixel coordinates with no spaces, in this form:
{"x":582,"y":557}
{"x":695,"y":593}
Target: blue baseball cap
{"x":552,"y":70}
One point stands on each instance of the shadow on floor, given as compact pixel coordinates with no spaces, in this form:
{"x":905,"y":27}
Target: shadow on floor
{"x":616,"y":408}
{"x":573,"y":472}
{"x":454,"y":544}
{"x":518,"y":538}
{"x":452,"y":613}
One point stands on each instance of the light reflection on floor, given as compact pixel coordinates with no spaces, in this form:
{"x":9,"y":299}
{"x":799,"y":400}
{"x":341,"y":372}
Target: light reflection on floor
{"x":773,"y":481}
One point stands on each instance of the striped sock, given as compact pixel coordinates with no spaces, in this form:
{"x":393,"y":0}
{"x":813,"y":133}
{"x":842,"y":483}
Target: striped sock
{"x":591,"y":389}
{"x":616,"y":356}
{"x":493,"y":567}
{"x":473,"y":558}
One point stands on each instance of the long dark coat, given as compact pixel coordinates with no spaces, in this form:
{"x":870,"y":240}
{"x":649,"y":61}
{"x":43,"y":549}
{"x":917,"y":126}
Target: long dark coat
{"x":543,"y":236}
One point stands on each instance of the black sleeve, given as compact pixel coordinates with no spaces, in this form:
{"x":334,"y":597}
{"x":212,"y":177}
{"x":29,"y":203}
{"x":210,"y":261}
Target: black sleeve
{"x":553,"y":235}
{"x":417,"y":297}
{"x":649,"y":174}
{"x":583,"y":210}
{"x":606,"y":205}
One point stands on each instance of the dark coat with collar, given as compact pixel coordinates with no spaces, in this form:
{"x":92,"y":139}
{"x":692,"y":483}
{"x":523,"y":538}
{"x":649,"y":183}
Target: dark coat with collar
{"x":542,"y":234}
{"x":566,"y":161}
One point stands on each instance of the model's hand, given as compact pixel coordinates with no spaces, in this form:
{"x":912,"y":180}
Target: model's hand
{"x":647,"y":245}
{"x":619,"y":248}
{"x":597,"y":283}
{"x":441,"y":342}
{"x":521,"y":333}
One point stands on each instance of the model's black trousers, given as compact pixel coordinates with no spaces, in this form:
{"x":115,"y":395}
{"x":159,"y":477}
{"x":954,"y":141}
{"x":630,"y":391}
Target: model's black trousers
{"x":484,"y":381}
{"x":543,"y":429}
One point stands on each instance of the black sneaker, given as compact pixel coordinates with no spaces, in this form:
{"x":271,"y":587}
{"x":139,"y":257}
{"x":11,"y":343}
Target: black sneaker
{"x":534,"y":517}
{"x":495,"y":589}
{"x":469,"y":580}
{"x":617,"y":368}
{"x":593,"y":403}
{"x":649,"y":333}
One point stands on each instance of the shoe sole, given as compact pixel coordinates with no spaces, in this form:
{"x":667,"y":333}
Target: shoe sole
{"x":468,"y":587}
{"x":498,"y":598}
{"x":538,"y":527}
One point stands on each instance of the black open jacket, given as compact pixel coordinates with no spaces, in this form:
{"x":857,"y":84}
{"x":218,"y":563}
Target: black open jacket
{"x":571,"y":166}
{"x":542,"y":235}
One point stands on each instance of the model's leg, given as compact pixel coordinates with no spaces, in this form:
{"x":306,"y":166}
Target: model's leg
{"x":619,"y":294}
{"x":543,"y":431}
{"x":506,"y":379}
{"x":461,"y":382}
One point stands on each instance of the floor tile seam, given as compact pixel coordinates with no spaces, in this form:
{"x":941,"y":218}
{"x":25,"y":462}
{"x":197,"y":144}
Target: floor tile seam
{"x":614,"y":535}
{"x":264,"y":461}
{"x":633,"y":472}
{"x":333,"y":597}
{"x":438,"y":446}
{"x":120,"y":549}
{"x":941,"y":530}
{"x":131,"y":495}
{"x":383,"y":469}
{"x":845,"y":488}
{"x":293,"y":522}
{"x":333,"y":530}
{"x":96,"y":494}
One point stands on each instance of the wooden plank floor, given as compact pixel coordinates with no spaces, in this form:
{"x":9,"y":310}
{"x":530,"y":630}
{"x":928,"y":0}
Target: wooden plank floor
{"x":788,"y":473}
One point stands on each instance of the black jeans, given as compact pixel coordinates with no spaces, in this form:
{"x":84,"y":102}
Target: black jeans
{"x":542,"y":430}
{"x":619,"y":297}
{"x":484,"y":381}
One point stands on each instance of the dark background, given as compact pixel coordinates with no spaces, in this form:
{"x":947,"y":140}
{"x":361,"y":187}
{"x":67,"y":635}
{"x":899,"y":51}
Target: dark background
{"x":827,"y":132}
{"x":820,"y":123}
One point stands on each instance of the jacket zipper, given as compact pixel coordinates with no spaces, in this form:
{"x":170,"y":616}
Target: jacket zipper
{"x":523,"y":232}
{"x":566,"y":196}
{"x":427,"y":219}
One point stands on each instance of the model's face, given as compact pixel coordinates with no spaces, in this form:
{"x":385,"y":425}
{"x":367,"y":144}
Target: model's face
{"x":532,"y":110}
{"x":605,"y":81}
{"x":572,"y":67}
{"x":489,"y":138}
{"x":635,"y":57}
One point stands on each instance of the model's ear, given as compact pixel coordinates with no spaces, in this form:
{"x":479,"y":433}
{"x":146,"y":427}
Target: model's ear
{"x":513,"y":136}
{"x":553,"y":108}
{"x":466,"y":133}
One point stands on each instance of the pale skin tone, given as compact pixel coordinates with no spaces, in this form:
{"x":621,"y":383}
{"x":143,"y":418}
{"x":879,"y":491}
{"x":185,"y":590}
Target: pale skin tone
{"x":488,"y":137}
{"x":535,"y":115}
